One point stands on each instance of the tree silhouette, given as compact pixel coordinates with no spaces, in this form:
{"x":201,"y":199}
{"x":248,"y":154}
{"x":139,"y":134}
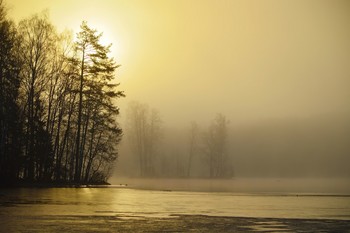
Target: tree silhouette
{"x":193,"y":144}
{"x":57,"y":104}
{"x":215,"y":147}
{"x":95,"y":94}
{"x":144,"y":127}
{"x":10,"y":120}
{"x":37,"y":36}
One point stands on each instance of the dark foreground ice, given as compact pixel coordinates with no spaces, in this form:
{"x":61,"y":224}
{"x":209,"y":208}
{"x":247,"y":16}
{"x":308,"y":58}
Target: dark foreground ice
{"x":132,"y":210}
{"x":176,"y":223}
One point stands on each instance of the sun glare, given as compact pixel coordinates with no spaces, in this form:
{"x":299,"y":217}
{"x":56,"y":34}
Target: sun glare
{"x":107,"y":38}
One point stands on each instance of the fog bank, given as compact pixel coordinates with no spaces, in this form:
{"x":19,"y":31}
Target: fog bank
{"x":282,"y":186}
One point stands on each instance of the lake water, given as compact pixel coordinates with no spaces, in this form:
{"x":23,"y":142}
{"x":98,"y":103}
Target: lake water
{"x":151,"y":203}
{"x":122,"y":209}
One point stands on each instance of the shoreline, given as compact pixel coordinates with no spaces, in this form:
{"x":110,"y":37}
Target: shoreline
{"x":53,"y":185}
{"x":241,"y":184}
{"x":141,"y":188}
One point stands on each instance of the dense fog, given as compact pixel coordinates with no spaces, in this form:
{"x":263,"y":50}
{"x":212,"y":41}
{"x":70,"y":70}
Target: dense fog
{"x":284,"y":148}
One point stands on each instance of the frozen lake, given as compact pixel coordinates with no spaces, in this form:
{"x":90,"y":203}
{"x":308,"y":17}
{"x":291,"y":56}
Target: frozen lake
{"x":139,"y":209}
{"x":151,"y":203}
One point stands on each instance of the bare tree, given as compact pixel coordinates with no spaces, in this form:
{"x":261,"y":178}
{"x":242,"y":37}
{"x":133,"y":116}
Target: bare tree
{"x":144,"y":132}
{"x":10,"y":121}
{"x":193,"y":144}
{"x":61,"y":98}
{"x":153,"y":135}
{"x":37,"y":42}
{"x":215,"y":147}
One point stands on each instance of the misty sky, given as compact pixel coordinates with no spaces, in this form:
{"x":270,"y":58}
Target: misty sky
{"x":248,"y":59}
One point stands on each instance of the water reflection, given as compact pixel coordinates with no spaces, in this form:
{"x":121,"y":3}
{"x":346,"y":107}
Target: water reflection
{"x":140,"y":203}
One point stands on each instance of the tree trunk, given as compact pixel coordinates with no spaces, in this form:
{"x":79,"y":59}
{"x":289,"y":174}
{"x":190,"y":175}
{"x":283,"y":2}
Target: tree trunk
{"x":78,"y":152}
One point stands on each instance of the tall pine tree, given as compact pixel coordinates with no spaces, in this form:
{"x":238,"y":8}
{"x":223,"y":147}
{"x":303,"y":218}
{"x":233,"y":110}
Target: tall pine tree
{"x":96,"y":110}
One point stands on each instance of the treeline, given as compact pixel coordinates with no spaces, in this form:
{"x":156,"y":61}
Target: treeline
{"x":310,"y":147}
{"x":57,"y":103}
{"x":199,"y":152}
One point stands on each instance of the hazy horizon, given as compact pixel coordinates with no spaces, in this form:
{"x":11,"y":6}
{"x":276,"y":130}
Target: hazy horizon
{"x":249,"y":60}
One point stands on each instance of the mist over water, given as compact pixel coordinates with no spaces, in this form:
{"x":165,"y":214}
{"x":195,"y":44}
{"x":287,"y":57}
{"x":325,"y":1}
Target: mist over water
{"x":280,"y":77}
{"x":277,"y":186}
{"x":291,"y":155}
{"x":312,"y":148}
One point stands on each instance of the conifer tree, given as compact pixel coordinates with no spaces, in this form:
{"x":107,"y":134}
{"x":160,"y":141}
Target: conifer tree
{"x":96,"y":94}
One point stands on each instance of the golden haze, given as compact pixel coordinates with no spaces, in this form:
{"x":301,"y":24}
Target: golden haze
{"x":247,"y":59}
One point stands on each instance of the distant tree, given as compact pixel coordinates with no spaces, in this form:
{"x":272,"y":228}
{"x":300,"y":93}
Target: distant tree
{"x":136,"y":128}
{"x":215,"y":147}
{"x":192,"y":145}
{"x":144,"y":132}
{"x":152,"y":140}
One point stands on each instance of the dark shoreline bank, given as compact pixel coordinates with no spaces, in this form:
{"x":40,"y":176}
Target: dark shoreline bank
{"x":52,"y":185}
